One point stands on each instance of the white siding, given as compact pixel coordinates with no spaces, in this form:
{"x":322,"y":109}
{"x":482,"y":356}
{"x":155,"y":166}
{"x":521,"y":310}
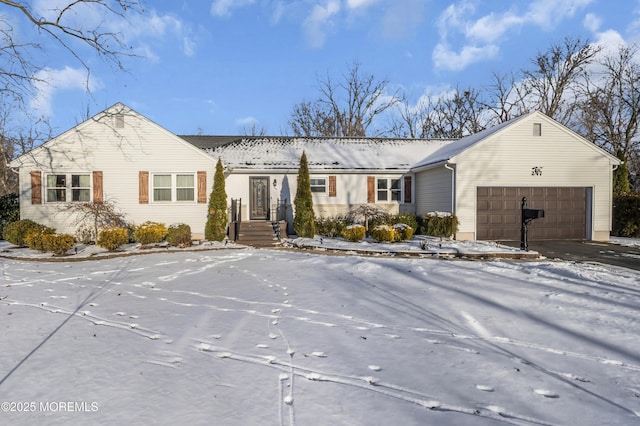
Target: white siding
{"x":508,"y":157}
{"x":120,"y":153}
{"x":434,"y":190}
{"x":351,"y":191}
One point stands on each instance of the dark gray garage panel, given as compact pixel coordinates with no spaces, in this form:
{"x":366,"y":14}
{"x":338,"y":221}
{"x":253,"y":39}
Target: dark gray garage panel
{"x":565,"y":211}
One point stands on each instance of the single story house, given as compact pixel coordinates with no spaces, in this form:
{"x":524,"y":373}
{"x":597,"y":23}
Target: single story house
{"x":149,"y":173}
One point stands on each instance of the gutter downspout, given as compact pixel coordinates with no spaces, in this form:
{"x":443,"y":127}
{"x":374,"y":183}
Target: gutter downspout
{"x":453,"y":186}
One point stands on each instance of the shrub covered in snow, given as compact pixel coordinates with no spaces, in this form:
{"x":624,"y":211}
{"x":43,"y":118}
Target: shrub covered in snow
{"x":402,"y":232}
{"x":405,"y":218}
{"x":150,"y":233}
{"x":112,"y":238}
{"x":179,"y":235}
{"x":440,"y":224}
{"x":332,"y":226}
{"x":354,"y":233}
{"x":383,"y":233}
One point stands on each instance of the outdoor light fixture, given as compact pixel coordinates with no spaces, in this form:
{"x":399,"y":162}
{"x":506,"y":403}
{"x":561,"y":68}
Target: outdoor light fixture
{"x":275,"y":183}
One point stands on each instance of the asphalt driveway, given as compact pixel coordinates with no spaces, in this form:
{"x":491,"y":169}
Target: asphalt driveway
{"x":586,"y":251}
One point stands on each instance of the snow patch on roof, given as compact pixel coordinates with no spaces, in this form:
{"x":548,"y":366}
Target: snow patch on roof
{"x":325,"y":153}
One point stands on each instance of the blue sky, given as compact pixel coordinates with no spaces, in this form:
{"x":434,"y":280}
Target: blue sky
{"x":213,"y":66}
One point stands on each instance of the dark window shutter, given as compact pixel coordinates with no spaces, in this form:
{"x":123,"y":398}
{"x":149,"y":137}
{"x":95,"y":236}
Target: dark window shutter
{"x":143,"y":183}
{"x":202,"y":187}
{"x":98,"y":196}
{"x":36,"y":187}
{"x":332,"y":186}
{"x":407,"y":189}
{"x":371,"y":189}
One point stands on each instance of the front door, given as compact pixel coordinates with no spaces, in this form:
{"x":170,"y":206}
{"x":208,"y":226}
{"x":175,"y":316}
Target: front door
{"x":259,"y":208}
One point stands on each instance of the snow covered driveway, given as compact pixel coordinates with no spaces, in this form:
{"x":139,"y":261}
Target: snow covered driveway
{"x":266,"y":337}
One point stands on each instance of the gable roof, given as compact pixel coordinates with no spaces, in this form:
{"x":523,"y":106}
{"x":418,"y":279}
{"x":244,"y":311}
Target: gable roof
{"x":449,"y":151}
{"x":258,"y":153}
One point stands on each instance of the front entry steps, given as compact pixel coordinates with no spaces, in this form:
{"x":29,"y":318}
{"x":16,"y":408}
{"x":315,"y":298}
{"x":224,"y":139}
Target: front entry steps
{"x":259,"y":233}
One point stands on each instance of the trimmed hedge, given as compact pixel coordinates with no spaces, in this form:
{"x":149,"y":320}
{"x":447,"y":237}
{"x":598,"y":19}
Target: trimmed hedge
{"x":402,"y":232}
{"x":150,"y":233}
{"x":354,"y":233}
{"x":179,"y":235}
{"x":58,"y":244}
{"x":626,"y":215}
{"x":15,"y":232}
{"x":112,"y":238}
{"x":331,"y":226}
{"x":35,"y":237}
{"x":438,"y":224}
{"x":382,"y":233}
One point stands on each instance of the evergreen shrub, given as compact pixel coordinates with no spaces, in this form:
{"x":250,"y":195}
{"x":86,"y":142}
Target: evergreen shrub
{"x":439,"y":224}
{"x":179,"y":235}
{"x":383,"y":233}
{"x":150,"y":233}
{"x":15,"y":232}
{"x":354,"y":233}
{"x":34,"y":237}
{"x":112,"y":238}
{"x":9,"y":210}
{"x":626,"y":215}
{"x":304,"y":217}
{"x":405,"y":218}
{"x":216,"y":227}
{"x":402,"y":232}
{"x":331,"y":226}
{"x":58,"y":244}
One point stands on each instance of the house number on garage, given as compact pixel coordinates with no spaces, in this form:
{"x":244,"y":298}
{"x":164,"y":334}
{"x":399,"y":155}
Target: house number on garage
{"x":536,"y":171}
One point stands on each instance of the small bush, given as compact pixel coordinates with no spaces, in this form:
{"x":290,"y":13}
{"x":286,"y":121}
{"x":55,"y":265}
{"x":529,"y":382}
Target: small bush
{"x":438,"y":224}
{"x":179,"y":235}
{"x":331,"y":226}
{"x":354,"y":233}
{"x":58,"y":244}
{"x":383,"y":233}
{"x":9,"y":210}
{"x":150,"y":233}
{"x":402,"y":232}
{"x":35,"y":237}
{"x":405,"y":218}
{"x":85,"y":234}
{"x":15,"y":232}
{"x":112,"y":238}
{"x":626,"y":216}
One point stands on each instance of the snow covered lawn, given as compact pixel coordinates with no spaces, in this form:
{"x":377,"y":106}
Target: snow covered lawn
{"x":239,"y":337}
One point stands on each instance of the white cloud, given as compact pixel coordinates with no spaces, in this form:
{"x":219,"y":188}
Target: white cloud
{"x":319,"y":21}
{"x":445,"y":58}
{"x":592,"y":22}
{"x":49,"y":81}
{"x":222,"y":8}
{"x":357,"y":4}
{"x":481,"y":36}
{"x":548,"y":13}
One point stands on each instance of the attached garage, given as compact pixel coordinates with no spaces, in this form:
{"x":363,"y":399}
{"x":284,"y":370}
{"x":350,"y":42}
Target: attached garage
{"x":567,"y":213}
{"x":482,"y":179}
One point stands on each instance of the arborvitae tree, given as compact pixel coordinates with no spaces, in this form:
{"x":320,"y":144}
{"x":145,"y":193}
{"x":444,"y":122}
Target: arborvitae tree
{"x":216,"y":227}
{"x":621,"y":177}
{"x":304,"y":220}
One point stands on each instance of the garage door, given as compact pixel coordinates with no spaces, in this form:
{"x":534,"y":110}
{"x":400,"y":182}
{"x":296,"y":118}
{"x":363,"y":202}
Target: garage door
{"x":499,"y":214}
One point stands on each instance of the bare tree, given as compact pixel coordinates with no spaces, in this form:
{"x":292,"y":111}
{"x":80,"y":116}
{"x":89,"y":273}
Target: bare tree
{"x":345,"y":108}
{"x":552,"y":84}
{"x":506,"y":98}
{"x":59,"y":22}
{"x":253,"y":129}
{"x":610,"y":115}
{"x":458,"y":114}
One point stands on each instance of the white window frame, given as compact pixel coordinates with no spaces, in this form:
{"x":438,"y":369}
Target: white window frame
{"x":173,"y":187}
{"x":67,"y":187}
{"x":324,"y":186}
{"x":388,"y":190}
